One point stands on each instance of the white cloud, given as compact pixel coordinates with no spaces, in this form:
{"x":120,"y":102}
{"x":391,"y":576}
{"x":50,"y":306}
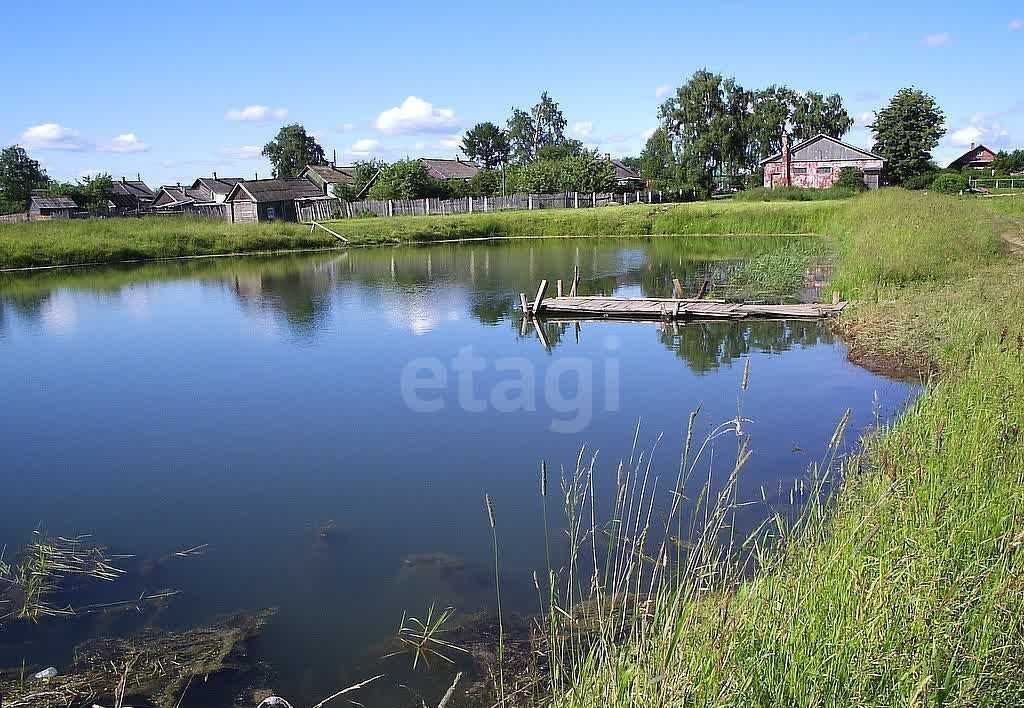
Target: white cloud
{"x":364,"y":147}
{"x":966,"y":136}
{"x":646,"y":135}
{"x":981,"y":127}
{"x":865,"y":118}
{"x":414,"y":116}
{"x":243,"y":152}
{"x":1016,"y":25}
{"x":347,"y":127}
{"x":583,"y":129}
{"x":452,"y":142}
{"x":937,"y":39}
{"x":256,"y":113}
{"x":662,"y":91}
{"x":126,"y":142}
{"x":52,"y":136}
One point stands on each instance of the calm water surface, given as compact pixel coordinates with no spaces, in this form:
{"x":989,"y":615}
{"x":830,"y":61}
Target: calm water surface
{"x":246,"y":403}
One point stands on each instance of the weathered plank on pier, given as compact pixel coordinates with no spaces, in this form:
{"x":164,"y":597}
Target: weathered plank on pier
{"x":671,"y":308}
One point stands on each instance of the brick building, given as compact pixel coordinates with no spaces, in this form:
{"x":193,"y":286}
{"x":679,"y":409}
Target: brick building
{"x":816,"y":163}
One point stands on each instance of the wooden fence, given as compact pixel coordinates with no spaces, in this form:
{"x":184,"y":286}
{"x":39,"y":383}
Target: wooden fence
{"x":324,"y":209}
{"x":13,"y":218}
{"x":997,"y":182}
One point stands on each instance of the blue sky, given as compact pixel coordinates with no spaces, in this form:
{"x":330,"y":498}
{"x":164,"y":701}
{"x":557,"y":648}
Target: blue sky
{"x":176,"y":91}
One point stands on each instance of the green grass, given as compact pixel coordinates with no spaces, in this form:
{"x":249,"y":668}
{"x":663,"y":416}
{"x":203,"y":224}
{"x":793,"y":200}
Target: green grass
{"x":794,"y":194}
{"x":58,"y":243}
{"x":906,"y":588}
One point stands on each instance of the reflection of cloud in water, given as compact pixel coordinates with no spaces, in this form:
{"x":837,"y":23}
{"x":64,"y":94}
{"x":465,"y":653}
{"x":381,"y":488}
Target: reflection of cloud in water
{"x":422,"y":312}
{"x":136,"y":302}
{"x":59,"y":313}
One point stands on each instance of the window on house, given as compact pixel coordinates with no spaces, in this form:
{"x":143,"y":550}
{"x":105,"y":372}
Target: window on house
{"x":799,"y":170}
{"x":824,"y":170}
{"x":271,"y":213}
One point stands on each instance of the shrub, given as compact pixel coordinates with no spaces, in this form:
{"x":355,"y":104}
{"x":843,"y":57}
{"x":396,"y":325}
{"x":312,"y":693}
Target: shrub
{"x":921,"y":181}
{"x":950,"y":183}
{"x":794,"y":194}
{"x":851,"y":178}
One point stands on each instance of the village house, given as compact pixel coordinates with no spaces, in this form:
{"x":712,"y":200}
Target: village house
{"x":42,"y":208}
{"x":328,"y":177}
{"x":977,"y":158}
{"x":816,"y":163}
{"x":171,"y":197}
{"x":625,"y":176}
{"x":214,"y":190}
{"x":271,"y":199}
{"x":446,"y":170}
{"x":130,"y":196}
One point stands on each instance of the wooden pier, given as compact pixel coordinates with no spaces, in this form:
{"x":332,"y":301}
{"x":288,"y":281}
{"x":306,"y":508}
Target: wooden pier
{"x":600,"y":307}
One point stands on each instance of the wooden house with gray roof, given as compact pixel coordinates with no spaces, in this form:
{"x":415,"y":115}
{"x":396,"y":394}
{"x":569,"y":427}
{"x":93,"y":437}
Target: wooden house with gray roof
{"x":446,"y":170}
{"x":214,"y":189}
{"x":130,"y":196}
{"x":271,"y":199}
{"x":44,"y":207}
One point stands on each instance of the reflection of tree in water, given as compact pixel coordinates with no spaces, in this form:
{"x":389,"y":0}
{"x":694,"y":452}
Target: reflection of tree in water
{"x":300,"y":294}
{"x":705,"y":346}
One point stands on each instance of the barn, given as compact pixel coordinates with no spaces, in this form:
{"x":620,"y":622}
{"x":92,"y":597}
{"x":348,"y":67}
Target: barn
{"x":816,"y":163}
{"x":42,"y":208}
{"x":270,"y":199}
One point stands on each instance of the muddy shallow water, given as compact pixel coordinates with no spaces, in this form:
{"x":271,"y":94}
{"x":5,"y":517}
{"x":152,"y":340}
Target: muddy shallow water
{"x":330,"y":423}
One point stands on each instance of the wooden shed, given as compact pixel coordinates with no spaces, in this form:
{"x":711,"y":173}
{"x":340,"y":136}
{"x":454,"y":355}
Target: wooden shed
{"x":214,"y":189}
{"x":42,"y":208}
{"x":130,"y":196}
{"x":270,"y":199}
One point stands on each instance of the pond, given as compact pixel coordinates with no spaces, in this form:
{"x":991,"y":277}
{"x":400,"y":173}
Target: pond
{"x":329,"y":424}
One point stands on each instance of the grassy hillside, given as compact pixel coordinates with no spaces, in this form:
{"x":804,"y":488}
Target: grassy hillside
{"x":907,"y":587}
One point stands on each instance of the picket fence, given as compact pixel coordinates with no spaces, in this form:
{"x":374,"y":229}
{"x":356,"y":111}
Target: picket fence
{"x":324,"y":209}
{"x":13,"y":218}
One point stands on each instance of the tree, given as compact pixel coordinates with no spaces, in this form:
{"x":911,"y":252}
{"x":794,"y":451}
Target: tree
{"x":580,"y":172}
{"x":906,"y":131}
{"x":529,"y":132}
{"x":698,"y":119}
{"x":1009,"y":163}
{"x":815,"y":114}
{"x":19,"y":175}
{"x":405,"y":179}
{"x":365,"y":170}
{"x":658,"y":163}
{"x":487,"y":144}
{"x":90,"y":193}
{"x":292,"y":150}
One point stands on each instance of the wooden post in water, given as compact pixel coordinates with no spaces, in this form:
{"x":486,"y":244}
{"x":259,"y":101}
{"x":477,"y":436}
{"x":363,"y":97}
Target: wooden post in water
{"x":677,"y":288}
{"x":523,"y":304}
{"x":558,"y":287}
{"x":575,"y":280}
{"x":540,"y":297}
{"x":835,"y":297}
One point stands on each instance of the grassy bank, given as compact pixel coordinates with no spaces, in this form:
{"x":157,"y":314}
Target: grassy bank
{"x":907,"y":587}
{"x":56,"y":243}
{"x":110,"y":241}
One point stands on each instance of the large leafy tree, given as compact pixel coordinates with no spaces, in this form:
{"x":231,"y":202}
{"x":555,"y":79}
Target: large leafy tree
{"x":405,"y":179}
{"x":292,"y":150}
{"x":658,"y":163}
{"x":1009,"y":163}
{"x":906,"y":132}
{"x":815,"y":114}
{"x":779,"y":110}
{"x":530,"y":132}
{"x":19,"y":175}
{"x":365,"y":171}
{"x":580,"y":172}
{"x":701,"y":120}
{"x":487,"y":144}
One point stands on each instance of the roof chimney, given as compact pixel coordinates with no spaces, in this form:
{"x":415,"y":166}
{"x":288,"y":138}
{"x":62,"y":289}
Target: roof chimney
{"x":257,"y":176}
{"x":972,"y":146}
{"x":215,"y":174}
{"x":123,"y":180}
{"x":334,"y":158}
